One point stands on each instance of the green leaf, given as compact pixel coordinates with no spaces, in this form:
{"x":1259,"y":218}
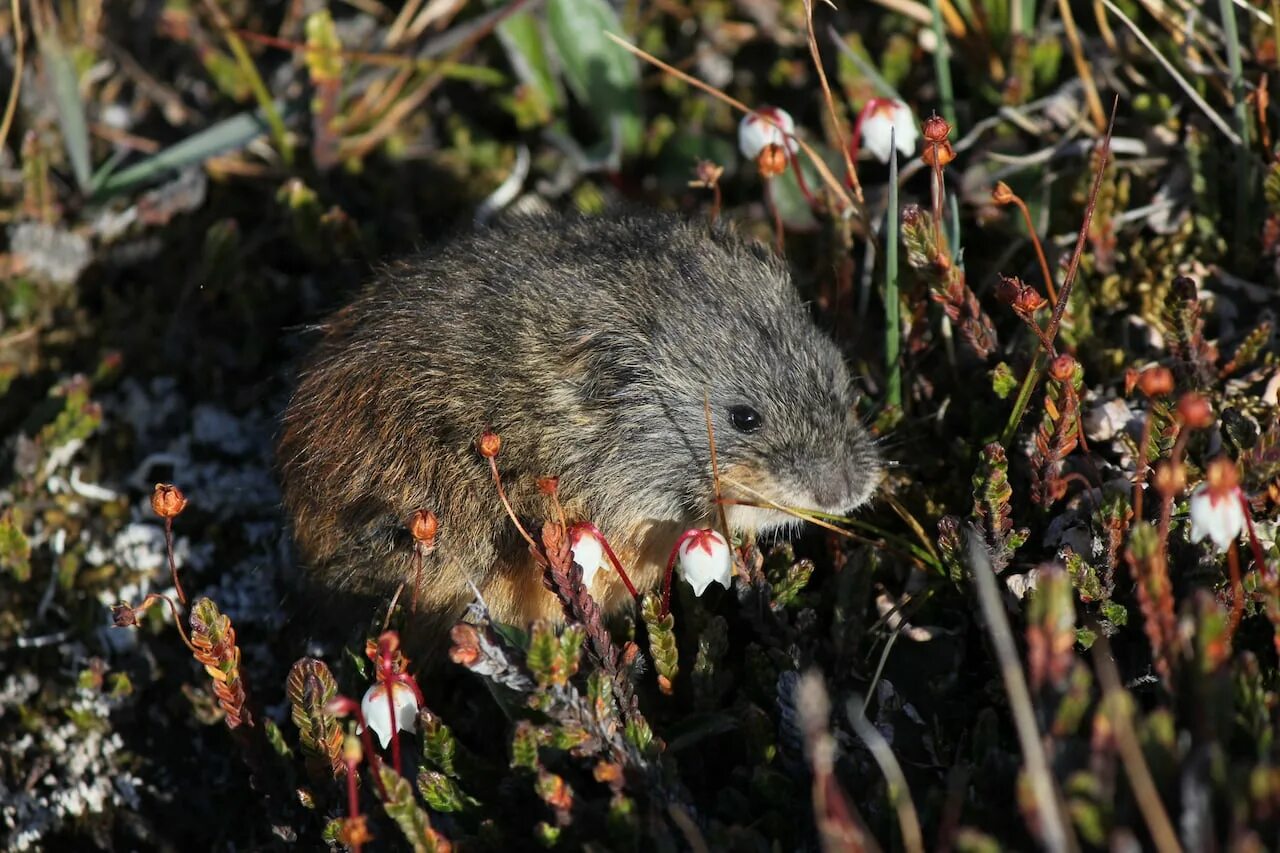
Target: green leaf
{"x":603,"y":76}
{"x":310,"y":687}
{"x":15,"y":548}
{"x":527,"y":53}
{"x":227,"y":135}
{"x":403,"y":809}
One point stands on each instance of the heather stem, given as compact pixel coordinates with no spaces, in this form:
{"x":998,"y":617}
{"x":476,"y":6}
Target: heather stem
{"x":173,"y":564}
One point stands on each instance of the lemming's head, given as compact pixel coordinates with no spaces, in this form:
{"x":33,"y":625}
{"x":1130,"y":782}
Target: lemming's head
{"x":722,"y":327}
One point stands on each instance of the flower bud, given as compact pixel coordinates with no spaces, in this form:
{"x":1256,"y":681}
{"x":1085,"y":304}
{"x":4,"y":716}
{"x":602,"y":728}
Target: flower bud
{"x":1155,"y":381}
{"x":1169,"y":479}
{"x":124,"y":616}
{"x":938,"y":155}
{"x":936,"y":130}
{"x":1062,"y":368}
{"x":424,"y":526}
{"x":706,"y":174}
{"x":167,"y":501}
{"x":772,"y":161}
{"x":1002,"y":194}
{"x":1194,"y":411}
{"x":489,"y":443}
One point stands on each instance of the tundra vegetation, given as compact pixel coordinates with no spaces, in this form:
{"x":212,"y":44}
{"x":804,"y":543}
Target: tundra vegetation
{"x":1045,"y":234}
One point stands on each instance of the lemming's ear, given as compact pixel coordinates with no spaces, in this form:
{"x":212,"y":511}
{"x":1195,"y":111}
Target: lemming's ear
{"x":600,"y":367}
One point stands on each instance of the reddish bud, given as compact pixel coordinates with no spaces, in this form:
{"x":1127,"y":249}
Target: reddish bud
{"x":938,"y":155}
{"x":1222,"y":476}
{"x":1194,"y":411}
{"x":1029,"y":301}
{"x":124,"y":616}
{"x":355,"y":830}
{"x":1169,"y":479}
{"x":489,"y":443}
{"x":466,"y":644}
{"x":1002,"y":194}
{"x":1062,"y":368}
{"x":549,"y":485}
{"x":706,"y":174}
{"x":1008,"y":288}
{"x":772,"y":161}
{"x":1155,"y":381}
{"x":167,"y":501}
{"x":936,"y":129}
{"x":423,"y":526}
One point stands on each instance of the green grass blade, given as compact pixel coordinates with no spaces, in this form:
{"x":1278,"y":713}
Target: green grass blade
{"x":66,"y":100}
{"x":227,"y":135}
{"x":892,"y":322}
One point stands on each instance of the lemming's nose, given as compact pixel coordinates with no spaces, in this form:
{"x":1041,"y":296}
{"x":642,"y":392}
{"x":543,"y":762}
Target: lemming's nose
{"x":834,"y":487}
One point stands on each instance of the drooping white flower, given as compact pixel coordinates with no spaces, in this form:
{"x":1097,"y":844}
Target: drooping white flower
{"x":1217,"y":506}
{"x":704,"y":557}
{"x":756,"y":132}
{"x":378,"y":715}
{"x":587,"y":551}
{"x":885,"y":124}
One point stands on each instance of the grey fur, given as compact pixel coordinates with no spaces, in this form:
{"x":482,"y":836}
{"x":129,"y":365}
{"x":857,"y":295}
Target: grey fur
{"x":588,"y":346}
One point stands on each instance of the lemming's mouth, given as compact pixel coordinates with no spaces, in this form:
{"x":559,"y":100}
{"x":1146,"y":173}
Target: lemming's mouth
{"x":755,"y":504}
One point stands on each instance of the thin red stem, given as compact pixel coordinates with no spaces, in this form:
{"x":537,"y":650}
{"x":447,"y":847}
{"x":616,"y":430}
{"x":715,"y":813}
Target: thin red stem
{"x":417,"y":575}
{"x":1035,"y":241}
{"x":346,"y":705}
{"x":177,"y":619}
{"x":613,"y":558}
{"x":800,"y":181}
{"x":671,"y":567}
{"x":173,"y":564}
{"x":502,"y":495}
{"x":1254,"y":544}
{"x":353,"y":798}
{"x":1237,"y":591}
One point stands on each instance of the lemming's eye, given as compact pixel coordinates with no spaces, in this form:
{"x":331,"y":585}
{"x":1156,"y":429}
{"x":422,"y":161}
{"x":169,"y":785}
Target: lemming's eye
{"x":745,"y":419}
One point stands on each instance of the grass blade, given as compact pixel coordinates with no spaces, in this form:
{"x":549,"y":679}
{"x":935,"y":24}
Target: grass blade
{"x":67,"y":102}
{"x":227,"y":135}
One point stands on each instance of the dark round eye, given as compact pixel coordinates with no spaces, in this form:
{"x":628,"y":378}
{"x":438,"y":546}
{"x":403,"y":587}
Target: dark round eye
{"x":745,"y":419}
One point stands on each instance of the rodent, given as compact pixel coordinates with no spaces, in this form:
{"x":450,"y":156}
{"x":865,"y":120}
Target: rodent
{"x":588,"y":344}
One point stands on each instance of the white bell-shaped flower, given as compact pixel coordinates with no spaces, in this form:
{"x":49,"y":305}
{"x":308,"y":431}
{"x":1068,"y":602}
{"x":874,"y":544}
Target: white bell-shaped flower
{"x":1217,"y":506}
{"x":758,"y":131}
{"x":587,"y":550}
{"x":378,"y":714}
{"x":885,"y":124}
{"x":704,"y":557}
